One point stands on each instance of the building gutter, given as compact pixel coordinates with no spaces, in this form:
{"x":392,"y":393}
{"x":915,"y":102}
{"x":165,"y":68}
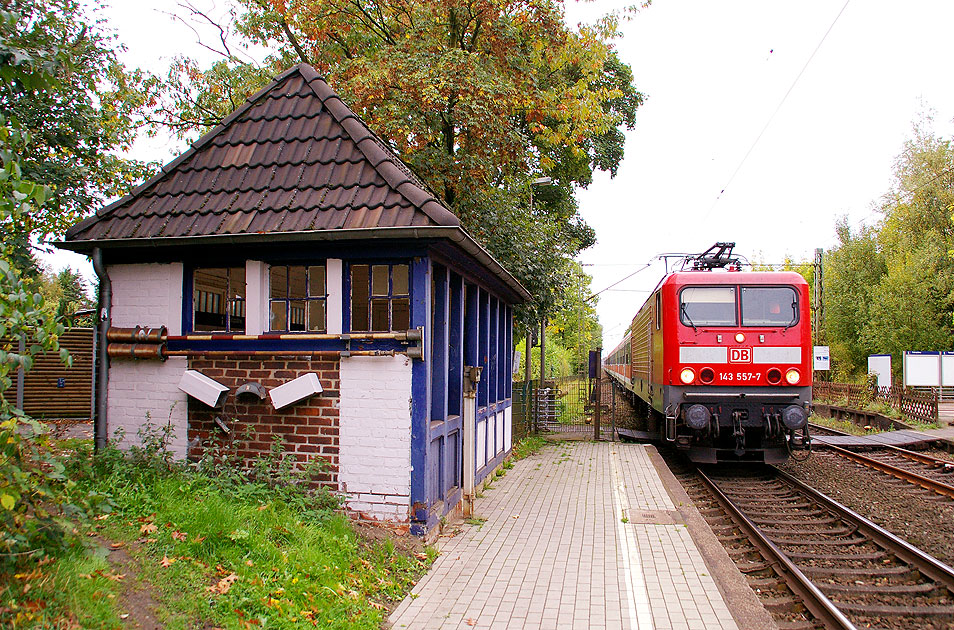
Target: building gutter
{"x":102,"y":374}
{"x":454,"y":234}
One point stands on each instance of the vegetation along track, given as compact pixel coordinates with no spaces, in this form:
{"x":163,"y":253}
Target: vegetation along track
{"x":813,"y":562}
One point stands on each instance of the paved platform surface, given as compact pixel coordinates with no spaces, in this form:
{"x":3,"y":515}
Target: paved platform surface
{"x":582,"y":535}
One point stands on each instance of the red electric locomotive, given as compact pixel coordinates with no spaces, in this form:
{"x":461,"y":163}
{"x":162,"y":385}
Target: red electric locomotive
{"x":718,"y":361}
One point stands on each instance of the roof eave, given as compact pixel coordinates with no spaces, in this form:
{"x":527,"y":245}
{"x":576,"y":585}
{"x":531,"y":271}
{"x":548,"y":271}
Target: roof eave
{"x":455,"y":234}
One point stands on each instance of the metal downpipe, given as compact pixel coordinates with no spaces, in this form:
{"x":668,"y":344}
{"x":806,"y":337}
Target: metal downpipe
{"x":102,"y":375}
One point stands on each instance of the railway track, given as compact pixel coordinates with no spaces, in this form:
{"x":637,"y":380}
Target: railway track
{"x":816,"y":564}
{"x":933,"y":474}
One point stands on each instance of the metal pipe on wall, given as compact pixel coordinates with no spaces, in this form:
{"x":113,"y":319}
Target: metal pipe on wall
{"x":102,"y":376}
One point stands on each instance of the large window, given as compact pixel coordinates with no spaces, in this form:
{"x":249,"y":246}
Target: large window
{"x":707,"y":306}
{"x":297,"y":298}
{"x":380,"y":298}
{"x":769,"y":306}
{"x":218,"y":300}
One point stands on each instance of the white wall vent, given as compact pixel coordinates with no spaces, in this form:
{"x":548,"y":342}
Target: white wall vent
{"x":296,"y":390}
{"x":203,"y":388}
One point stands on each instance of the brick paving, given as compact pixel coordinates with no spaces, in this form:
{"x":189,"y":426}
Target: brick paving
{"x":581,"y":535}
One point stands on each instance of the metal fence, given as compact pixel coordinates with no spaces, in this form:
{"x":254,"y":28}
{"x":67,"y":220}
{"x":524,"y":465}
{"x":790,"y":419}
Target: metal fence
{"x":918,"y":404}
{"x":563,"y":405}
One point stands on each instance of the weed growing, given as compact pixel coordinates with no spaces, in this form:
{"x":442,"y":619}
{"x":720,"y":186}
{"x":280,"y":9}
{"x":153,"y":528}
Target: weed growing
{"x":528,"y":446}
{"x":216,"y":546}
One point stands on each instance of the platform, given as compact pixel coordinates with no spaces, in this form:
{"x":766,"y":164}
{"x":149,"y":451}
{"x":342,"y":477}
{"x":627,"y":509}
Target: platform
{"x":901,"y":439}
{"x":582,"y":535}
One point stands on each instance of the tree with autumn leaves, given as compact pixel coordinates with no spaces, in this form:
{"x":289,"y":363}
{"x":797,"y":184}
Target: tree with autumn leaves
{"x":479,"y":97}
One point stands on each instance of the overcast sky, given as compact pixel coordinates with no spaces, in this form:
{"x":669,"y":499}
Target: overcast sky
{"x":714,"y":73}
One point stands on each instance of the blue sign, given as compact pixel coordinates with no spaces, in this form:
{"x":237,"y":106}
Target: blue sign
{"x":61,"y":382}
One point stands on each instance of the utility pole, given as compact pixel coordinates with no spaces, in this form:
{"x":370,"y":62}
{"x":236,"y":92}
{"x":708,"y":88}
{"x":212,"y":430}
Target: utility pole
{"x":543,"y":349}
{"x":818,"y":311}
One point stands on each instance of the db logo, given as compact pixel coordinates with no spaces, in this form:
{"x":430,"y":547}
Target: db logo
{"x":740,"y":355}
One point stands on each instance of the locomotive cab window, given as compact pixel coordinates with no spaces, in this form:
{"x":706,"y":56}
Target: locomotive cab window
{"x":769,"y":306}
{"x":707,"y":306}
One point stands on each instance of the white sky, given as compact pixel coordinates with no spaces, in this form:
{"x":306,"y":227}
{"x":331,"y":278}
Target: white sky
{"x":714,"y":72}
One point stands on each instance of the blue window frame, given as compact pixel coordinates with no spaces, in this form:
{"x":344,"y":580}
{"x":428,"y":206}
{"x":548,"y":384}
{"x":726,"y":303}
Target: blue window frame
{"x":380,"y":297}
{"x":297,"y":298}
{"x":218,"y":299}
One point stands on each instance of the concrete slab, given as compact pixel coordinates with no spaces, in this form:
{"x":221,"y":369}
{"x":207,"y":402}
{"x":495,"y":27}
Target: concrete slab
{"x":581,"y":535}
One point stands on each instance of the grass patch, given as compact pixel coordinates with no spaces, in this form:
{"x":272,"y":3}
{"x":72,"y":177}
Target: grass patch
{"x":78,"y":590}
{"x":212,"y":551}
{"x":843,"y":425}
{"x":528,"y":446}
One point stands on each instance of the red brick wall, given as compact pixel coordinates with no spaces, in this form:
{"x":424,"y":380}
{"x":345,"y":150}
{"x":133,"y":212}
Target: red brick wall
{"x":309,"y":428}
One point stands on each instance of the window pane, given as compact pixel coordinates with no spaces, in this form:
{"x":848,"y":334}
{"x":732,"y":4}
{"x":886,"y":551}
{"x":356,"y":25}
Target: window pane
{"x":316,"y":315}
{"x":296,"y":282}
{"x":769,"y":306}
{"x":237,"y":299}
{"x":379,"y":315}
{"x":316,"y":282}
{"x":359,"y":298}
{"x":209,"y":299}
{"x":399,"y":280}
{"x":296,"y":315}
{"x":276,"y":317}
{"x":400,"y":314}
{"x":278,"y":281}
{"x":708,"y":306}
{"x":379,"y":280}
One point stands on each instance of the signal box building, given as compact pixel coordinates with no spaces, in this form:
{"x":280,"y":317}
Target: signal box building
{"x":290,"y":246}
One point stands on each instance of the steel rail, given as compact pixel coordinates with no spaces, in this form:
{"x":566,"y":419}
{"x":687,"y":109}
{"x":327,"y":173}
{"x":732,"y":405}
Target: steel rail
{"x":919,"y":457}
{"x":925,"y":563}
{"x":815,"y":601}
{"x":822,"y":427}
{"x":894,"y":471}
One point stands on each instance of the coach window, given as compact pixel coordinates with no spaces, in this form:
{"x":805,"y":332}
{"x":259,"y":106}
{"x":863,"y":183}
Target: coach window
{"x":707,"y":306}
{"x":218,"y":300}
{"x":380,"y":298}
{"x":297,"y":298}
{"x":769,"y":306}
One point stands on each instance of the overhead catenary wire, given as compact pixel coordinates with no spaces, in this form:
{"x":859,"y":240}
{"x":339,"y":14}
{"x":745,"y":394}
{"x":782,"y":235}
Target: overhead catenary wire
{"x":774,"y":113}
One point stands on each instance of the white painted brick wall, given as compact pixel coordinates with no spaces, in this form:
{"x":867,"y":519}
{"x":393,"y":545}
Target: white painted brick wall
{"x":147,"y":295}
{"x":375,"y":436}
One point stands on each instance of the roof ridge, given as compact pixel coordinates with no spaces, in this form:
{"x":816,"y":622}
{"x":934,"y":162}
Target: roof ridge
{"x":400,"y":178}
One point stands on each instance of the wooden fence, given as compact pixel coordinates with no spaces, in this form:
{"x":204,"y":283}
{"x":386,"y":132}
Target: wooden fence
{"x":50,"y":389}
{"x":912,"y":403}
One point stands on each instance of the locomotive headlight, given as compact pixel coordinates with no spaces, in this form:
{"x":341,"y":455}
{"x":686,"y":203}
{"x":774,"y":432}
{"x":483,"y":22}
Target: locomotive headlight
{"x":697,"y":417}
{"x":792,"y":376}
{"x":687,"y":376}
{"x":739,"y":337}
{"x":794,"y":417}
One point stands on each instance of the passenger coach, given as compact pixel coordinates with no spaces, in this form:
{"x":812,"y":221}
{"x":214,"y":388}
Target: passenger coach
{"x":718,"y":361}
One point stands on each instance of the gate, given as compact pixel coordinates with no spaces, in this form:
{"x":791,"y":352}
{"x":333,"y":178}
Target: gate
{"x":563,"y":405}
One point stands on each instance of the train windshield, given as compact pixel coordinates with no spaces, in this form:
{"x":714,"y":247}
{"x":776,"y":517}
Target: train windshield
{"x":769,"y":306}
{"x":707,"y":306}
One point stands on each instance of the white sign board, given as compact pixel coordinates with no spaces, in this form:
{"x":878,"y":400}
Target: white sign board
{"x":947,"y":369}
{"x":822,"y":358}
{"x":880,"y":364}
{"x":922,"y":369}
